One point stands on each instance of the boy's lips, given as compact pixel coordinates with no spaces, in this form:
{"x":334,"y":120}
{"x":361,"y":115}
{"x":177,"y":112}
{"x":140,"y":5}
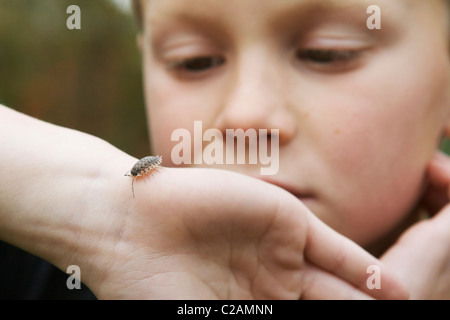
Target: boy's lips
{"x":302,"y":195}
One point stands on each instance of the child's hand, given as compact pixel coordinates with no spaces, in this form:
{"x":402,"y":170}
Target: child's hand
{"x":188,"y":233}
{"x":206,"y":234}
{"x":422,"y":255}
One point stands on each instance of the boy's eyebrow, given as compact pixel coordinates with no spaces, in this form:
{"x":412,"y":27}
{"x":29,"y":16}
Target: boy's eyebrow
{"x":198,"y":13}
{"x":199,"y":9}
{"x":354,"y":10}
{"x":188,"y":10}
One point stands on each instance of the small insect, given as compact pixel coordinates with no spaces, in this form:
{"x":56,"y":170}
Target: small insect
{"x":142,"y":167}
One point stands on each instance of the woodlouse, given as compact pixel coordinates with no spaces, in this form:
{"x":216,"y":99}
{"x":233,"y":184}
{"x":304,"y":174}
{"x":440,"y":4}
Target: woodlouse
{"x":142,"y":167}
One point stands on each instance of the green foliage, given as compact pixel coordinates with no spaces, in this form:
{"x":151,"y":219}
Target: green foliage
{"x":88,"y":79}
{"x":445,"y":146}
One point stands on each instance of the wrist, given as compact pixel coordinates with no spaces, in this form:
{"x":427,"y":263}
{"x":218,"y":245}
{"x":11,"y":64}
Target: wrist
{"x":98,"y":217}
{"x":63,"y":195}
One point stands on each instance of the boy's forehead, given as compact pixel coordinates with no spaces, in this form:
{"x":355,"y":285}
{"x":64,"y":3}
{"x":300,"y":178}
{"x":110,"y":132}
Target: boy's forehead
{"x":234,"y":15}
{"x":220,"y":7}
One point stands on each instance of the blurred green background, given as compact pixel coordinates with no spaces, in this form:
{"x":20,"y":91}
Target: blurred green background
{"x":88,"y":79}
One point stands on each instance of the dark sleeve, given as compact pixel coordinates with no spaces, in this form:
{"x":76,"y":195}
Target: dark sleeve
{"x":24,"y":276}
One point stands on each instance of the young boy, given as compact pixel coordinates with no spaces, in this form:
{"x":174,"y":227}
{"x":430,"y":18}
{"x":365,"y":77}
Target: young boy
{"x":360,"y":113}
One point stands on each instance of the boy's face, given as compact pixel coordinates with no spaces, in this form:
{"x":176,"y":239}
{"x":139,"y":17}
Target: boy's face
{"x":360,"y":111}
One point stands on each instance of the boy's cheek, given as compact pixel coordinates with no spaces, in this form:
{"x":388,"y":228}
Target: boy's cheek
{"x":367,"y":199}
{"x":170,"y":130}
{"x":373,"y":173}
{"x":160,"y":131}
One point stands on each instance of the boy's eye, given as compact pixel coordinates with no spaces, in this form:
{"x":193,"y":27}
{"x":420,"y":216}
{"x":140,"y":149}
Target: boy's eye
{"x":196,"y":65}
{"x":325,"y":56}
{"x":332,"y":60}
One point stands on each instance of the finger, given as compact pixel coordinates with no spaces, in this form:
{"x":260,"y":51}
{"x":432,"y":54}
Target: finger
{"x":439,"y":170}
{"x":343,"y":258}
{"x":321,"y":285}
{"x":441,"y":221}
{"x":434,"y":199}
{"x":437,"y":194}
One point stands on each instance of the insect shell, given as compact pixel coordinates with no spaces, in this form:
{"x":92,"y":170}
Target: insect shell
{"x":142,"y":167}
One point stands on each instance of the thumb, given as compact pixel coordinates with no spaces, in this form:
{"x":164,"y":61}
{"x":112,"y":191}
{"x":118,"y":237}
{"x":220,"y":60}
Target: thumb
{"x":437,"y":194}
{"x":342,"y":257}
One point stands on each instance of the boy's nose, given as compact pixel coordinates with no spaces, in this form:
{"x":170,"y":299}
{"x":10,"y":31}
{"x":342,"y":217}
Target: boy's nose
{"x":256,"y":99}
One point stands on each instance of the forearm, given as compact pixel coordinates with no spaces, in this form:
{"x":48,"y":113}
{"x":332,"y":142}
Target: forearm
{"x":58,"y":187}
